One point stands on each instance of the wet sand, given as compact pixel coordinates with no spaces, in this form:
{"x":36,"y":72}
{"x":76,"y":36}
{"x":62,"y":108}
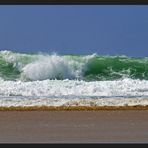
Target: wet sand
{"x":102,"y":126}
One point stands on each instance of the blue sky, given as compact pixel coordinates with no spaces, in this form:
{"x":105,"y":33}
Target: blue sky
{"x":75,"y":29}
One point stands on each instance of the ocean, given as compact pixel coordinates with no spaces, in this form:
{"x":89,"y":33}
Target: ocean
{"x":39,"y":79}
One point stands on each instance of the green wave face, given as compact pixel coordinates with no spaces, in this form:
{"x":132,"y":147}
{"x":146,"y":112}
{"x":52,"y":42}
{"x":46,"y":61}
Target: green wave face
{"x":89,"y":68}
{"x":112,"y":68}
{"x":10,"y":62}
{"x":7,"y":71}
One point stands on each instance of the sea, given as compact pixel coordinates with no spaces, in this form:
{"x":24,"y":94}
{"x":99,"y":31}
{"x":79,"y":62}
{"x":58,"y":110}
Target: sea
{"x":41,"y":79}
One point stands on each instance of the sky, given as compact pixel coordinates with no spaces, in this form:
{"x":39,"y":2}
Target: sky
{"x":75,"y":29}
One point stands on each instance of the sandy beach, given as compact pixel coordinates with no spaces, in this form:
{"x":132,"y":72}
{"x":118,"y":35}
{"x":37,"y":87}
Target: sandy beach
{"x":102,"y":126}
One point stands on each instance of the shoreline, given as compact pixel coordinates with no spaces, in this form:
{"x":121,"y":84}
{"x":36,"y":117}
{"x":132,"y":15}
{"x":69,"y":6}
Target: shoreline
{"x":72,"y":108}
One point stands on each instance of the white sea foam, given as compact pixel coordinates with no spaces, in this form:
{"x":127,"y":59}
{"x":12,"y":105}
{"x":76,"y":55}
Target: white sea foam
{"x":23,"y":102}
{"x":55,"y":67}
{"x":48,"y":68}
{"x":74,"y":92}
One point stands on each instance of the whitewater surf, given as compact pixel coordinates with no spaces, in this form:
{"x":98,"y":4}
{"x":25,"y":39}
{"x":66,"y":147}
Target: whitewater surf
{"x":72,"y":80}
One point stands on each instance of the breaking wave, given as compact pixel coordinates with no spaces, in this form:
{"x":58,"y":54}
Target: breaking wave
{"x":32,"y":67}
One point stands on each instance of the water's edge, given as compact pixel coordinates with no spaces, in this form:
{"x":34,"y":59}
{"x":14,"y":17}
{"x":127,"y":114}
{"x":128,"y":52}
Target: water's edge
{"x":74,"y":108}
